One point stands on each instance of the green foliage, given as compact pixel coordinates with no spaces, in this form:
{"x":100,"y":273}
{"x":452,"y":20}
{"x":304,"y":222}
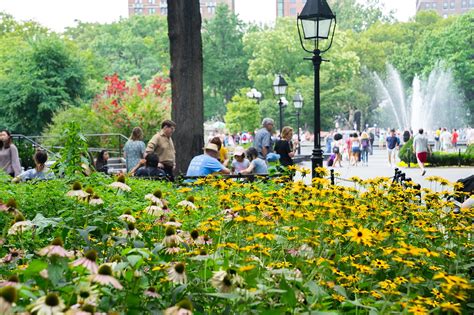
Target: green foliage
{"x":74,"y":154}
{"x":137,"y":46}
{"x":225,"y":63}
{"x":358,"y":15}
{"x":242,"y":114}
{"x":439,"y":158}
{"x":44,"y":76}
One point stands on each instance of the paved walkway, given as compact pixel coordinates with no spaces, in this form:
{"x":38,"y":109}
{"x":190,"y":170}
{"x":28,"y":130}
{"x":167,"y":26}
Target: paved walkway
{"x":378,"y":166}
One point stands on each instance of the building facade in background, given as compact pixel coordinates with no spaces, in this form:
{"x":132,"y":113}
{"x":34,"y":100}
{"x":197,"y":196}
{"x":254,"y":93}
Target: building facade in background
{"x":445,"y":8}
{"x":289,"y":7}
{"x":160,"y":7}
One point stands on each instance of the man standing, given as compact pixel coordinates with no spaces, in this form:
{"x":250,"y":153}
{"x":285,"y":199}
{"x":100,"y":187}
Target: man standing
{"x":421,"y":149}
{"x":207,"y":163}
{"x":445,"y":139}
{"x":393,"y":143}
{"x":163,"y":146}
{"x":263,"y":139}
{"x":454,"y":138}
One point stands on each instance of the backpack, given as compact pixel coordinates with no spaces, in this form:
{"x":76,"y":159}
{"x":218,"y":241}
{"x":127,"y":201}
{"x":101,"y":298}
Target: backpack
{"x":335,"y":150}
{"x":365,"y":143}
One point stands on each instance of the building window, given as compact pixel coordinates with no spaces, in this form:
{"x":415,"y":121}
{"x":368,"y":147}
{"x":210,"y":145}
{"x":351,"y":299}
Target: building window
{"x":472,"y":3}
{"x":164,"y":11}
{"x":138,"y":11}
{"x":445,"y":5}
{"x":152,"y":1}
{"x":453,"y":5}
{"x":138,"y":1}
{"x":427,"y":5}
{"x":280,"y":7}
{"x":445,"y":15}
{"x":292,"y":1}
{"x":151,"y":10}
{"x":293,"y":11}
{"x":434,"y":5}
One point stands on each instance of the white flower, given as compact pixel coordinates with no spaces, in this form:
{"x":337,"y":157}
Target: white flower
{"x":154,"y":210}
{"x":77,"y":193}
{"x":95,"y":201}
{"x":157,"y":201}
{"x":226,"y":281}
{"x":48,"y":305}
{"x":127,"y":218}
{"x":120,"y":186}
{"x":177,"y":273}
{"x":187,"y":204}
{"x":20,"y":226}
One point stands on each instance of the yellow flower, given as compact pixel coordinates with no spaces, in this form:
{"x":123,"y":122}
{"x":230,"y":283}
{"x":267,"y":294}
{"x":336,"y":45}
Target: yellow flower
{"x":375,"y":294}
{"x":338,"y":297}
{"x":453,"y":307}
{"x":246,"y":268}
{"x":380,"y":264}
{"x":360,"y":236}
{"x":438,"y":295}
{"x":418,"y":310}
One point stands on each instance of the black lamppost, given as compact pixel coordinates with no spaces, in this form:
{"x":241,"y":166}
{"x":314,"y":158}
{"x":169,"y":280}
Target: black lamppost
{"x":298,"y":103}
{"x":254,"y":94}
{"x":314,"y":24}
{"x":279,"y":87}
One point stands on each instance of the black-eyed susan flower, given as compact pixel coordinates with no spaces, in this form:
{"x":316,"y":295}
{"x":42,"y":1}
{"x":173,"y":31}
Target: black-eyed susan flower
{"x":360,"y":236}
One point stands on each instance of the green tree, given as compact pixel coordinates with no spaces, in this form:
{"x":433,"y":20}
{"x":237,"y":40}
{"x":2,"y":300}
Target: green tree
{"x":242,"y":113}
{"x":44,"y":77}
{"x":225,"y":63}
{"x":137,"y":46}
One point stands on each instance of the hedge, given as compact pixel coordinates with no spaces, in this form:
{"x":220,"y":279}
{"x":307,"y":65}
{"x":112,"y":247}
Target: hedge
{"x":439,"y":158}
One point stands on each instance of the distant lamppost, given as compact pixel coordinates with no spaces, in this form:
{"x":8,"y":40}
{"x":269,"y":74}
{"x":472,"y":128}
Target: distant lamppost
{"x":314,"y":24}
{"x":279,"y":87}
{"x":298,"y":103}
{"x":254,"y":94}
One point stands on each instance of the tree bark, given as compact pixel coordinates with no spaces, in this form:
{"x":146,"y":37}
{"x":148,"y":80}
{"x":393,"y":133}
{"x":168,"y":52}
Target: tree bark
{"x":184,"y":31}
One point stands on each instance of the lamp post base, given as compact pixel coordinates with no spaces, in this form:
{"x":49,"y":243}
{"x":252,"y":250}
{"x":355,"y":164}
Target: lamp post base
{"x":316,"y":161}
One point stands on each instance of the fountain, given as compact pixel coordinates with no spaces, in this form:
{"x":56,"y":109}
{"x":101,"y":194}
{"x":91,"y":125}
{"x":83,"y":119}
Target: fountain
{"x":434,"y":102}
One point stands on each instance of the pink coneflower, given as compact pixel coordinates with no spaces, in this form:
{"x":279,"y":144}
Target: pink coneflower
{"x":127,"y":218}
{"x":187,"y":204}
{"x":12,"y":256}
{"x":154,"y":210}
{"x":204,"y":240}
{"x":172,"y":250}
{"x":120,"y":184}
{"x":49,"y":304}
{"x":21,"y":225}
{"x":177,"y":274}
{"x":131,"y":231}
{"x":104,"y":277}
{"x":155,"y":199}
{"x":95,"y":201}
{"x":8,"y":296}
{"x":55,"y":249}
{"x":87,"y":294}
{"x":151,"y":292}
{"x":12,"y":206}
{"x":88,"y":261}
{"x":226,"y":281}
{"x":172,"y":222}
{"x":184,"y":307}
{"x":12,"y":281}
{"x":77,"y":191}
{"x":3,"y":207}
{"x":171,"y":239}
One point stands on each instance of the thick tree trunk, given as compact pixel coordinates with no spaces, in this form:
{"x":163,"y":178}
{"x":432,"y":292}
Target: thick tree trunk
{"x":184,"y":31}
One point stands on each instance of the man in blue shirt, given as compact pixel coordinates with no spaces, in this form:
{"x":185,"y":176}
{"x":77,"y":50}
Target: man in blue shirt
{"x":263,"y":139}
{"x":207,"y":163}
{"x":392,"y":146}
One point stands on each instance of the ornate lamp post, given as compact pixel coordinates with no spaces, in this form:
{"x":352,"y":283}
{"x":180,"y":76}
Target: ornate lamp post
{"x":298,"y":103}
{"x":254,"y":94}
{"x":279,"y":87}
{"x":314,"y":24}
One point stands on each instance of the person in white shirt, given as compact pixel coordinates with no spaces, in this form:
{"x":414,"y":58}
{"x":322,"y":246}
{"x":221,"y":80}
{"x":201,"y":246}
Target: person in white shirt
{"x":445,"y":139}
{"x":421,"y":149}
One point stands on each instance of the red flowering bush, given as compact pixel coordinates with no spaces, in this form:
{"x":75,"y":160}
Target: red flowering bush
{"x":125,"y":105}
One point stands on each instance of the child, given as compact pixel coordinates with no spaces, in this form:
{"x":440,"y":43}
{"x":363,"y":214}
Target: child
{"x":257,"y":165}
{"x":239,"y":163}
{"x":40,"y":171}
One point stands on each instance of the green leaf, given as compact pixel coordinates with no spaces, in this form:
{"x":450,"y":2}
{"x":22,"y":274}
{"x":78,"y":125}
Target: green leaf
{"x":41,"y":222}
{"x":289,"y":297}
{"x":134,"y":259}
{"x":34,"y":268}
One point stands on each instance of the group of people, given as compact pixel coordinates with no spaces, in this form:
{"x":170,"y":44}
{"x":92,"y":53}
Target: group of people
{"x":10,"y":161}
{"x":354,"y":149}
{"x":445,"y":140}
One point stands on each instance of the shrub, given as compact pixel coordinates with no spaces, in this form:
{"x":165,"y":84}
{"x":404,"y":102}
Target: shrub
{"x":439,"y":158}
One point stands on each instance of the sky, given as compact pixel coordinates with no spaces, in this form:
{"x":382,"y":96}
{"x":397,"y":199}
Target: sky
{"x":58,"y":14}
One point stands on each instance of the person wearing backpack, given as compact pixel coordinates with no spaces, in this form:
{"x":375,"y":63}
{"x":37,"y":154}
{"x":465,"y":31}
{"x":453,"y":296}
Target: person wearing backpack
{"x":365,"y":148}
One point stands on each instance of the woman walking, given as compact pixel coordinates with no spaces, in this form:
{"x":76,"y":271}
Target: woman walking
{"x":134,"y":149}
{"x":355,"y":148}
{"x":9,"y":160}
{"x":365,"y":148}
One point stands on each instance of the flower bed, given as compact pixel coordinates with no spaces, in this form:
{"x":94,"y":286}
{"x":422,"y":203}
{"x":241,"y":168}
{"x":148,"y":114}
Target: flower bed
{"x":220,"y":246}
